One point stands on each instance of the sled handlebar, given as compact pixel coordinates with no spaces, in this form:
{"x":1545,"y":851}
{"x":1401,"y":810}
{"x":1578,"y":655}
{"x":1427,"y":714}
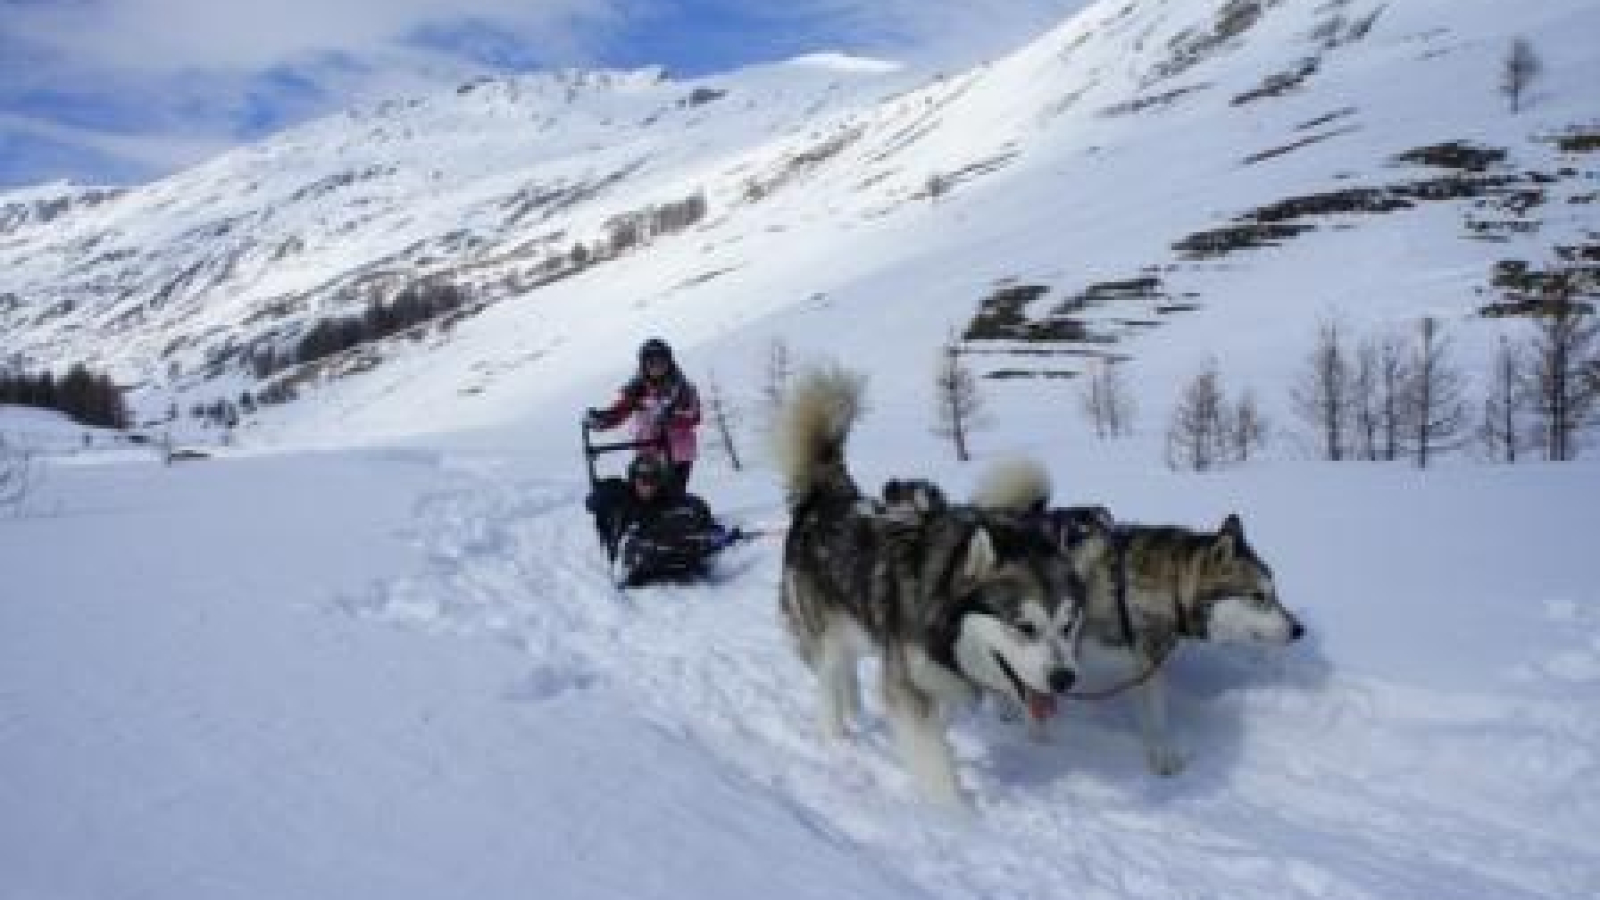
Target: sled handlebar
{"x":592,"y":451}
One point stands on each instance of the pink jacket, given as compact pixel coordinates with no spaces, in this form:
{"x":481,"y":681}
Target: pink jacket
{"x":673,"y":406}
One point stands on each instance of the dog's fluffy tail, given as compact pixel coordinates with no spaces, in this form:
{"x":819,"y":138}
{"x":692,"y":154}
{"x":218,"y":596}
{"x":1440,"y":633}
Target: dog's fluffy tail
{"x":1018,"y":485}
{"x":811,"y":428}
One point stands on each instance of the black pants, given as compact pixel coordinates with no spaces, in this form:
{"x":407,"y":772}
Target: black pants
{"x":608,"y":502}
{"x":680,"y":475}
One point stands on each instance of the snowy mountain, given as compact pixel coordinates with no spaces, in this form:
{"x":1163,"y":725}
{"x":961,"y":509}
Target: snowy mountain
{"x":371,"y":649}
{"x":1141,"y":161}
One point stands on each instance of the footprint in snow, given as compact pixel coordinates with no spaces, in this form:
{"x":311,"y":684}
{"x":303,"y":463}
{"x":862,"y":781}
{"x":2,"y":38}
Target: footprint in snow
{"x":545,"y":683}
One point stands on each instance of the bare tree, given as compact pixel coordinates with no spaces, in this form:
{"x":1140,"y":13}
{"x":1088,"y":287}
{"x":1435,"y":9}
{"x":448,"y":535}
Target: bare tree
{"x":1393,"y":380}
{"x":775,"y":377}
{"x":1559,"y":379}
{"x":1435,"y":411}
{"x":958,"y":403}
{"x":1365,"y":402}
{"x":1522,"y":66}
{"x":1503,"y":405}
{"x":1247,"y":427}
{"x":1323,"y":398}
{"x":1197,"y":434}
{"x":1379,"y":379}
{"x":17,"y":473}
{"x":1107,"y":400}
{"x":725,"y":418}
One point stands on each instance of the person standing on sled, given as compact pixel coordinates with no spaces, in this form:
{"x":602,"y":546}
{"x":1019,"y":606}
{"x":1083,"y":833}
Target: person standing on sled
{"x":660,"y":532}
{"x":664,"y":408}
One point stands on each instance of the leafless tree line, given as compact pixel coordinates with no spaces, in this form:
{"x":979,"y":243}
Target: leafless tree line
{"x":1402,"y":395}
{"x":1390,"y":395}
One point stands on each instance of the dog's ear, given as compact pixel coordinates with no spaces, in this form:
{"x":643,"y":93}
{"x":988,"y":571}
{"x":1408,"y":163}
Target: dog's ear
{"x":1075,"y":524}
{"x":1230,"y":538}
{"x":979,"y":557}
{"x":891,"y":491}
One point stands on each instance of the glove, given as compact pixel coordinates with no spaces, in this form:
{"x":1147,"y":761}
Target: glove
{"x":594,"y":418}
{"x":727,"y":537}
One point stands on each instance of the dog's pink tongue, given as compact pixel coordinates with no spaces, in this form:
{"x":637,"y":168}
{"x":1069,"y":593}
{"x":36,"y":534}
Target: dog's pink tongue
{"x":1041,"y":706}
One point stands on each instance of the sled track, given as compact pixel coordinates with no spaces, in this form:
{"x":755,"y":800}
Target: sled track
{"x":1270,"y":804}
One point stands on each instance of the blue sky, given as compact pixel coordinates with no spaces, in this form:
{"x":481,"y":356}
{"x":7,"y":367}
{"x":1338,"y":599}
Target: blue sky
{"x":122,"y":91}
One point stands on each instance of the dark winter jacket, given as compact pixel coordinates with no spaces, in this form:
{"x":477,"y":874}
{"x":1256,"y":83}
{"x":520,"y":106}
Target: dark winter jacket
{"x":670,"y":519}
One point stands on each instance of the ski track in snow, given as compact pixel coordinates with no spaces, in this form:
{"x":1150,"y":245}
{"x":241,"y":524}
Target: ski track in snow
{"x":1299,"y":784}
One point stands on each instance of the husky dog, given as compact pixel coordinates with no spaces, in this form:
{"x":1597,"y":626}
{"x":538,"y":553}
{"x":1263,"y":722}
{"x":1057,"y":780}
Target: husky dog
{"x":1148,"y":587}
{"x":912,"y":497}
{"x":954,"y":601}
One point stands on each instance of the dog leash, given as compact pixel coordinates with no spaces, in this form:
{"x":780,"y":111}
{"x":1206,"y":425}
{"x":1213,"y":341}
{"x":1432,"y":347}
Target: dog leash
{"x":1144,"y":676}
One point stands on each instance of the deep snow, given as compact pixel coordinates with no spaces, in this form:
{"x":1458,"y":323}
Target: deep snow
{"x":403,"y":673}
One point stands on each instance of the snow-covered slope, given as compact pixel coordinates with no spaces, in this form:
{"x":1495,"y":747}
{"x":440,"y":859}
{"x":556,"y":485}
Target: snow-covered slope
{"x":1116,"y":148}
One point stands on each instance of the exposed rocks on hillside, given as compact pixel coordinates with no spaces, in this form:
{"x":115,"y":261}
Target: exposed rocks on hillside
{"x":795,"y":165}
{"x":1288,"y":148}
{"x":1084,"y":324}
{"x":15,"y":215}
{"x":1140,"y":104}
{"x":1531,"y":290}
{"x":1462,"y":155}
{"x":1289,"y":218}
{"x":1189,"y":48}
{"x":1280,"y":83}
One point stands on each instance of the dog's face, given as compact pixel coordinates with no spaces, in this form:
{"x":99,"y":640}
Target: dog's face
{"x":1018,"y":634}
{"x":1237,"y":597}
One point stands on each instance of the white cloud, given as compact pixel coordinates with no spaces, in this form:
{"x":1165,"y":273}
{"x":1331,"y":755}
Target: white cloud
{"x":168,"y":35}
{"x":937,"y":32}
{"x":151,"y":152}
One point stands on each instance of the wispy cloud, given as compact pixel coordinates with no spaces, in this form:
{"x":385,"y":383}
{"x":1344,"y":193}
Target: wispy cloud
{"x":160,"y":152}
{"x":934,"y":32}
{"x":138,"y":87}
{"x":161,"y":35}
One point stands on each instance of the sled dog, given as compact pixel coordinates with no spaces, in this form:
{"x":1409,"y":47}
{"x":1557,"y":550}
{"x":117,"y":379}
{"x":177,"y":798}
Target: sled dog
{"x":1148,"y":587}
{"x":954,"y":601}
{"x":912,"y":497}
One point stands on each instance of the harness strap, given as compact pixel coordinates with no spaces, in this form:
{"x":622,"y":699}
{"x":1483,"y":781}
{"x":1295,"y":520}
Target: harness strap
{"x":1180,"y":618}
{"x":1119,"y":543}
{"x":1144,"y":676}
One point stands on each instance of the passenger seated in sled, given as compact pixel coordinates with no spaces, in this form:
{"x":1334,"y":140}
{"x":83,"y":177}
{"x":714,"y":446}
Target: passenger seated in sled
{"x":659,"y":532}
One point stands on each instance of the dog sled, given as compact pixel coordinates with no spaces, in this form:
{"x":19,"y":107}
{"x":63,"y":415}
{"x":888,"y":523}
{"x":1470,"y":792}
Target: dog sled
{"x":671,"y":539}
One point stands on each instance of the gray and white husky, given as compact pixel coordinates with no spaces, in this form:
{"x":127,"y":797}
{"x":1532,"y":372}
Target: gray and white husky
{"x":1148,"y":587}
{"x":954,"y":601}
